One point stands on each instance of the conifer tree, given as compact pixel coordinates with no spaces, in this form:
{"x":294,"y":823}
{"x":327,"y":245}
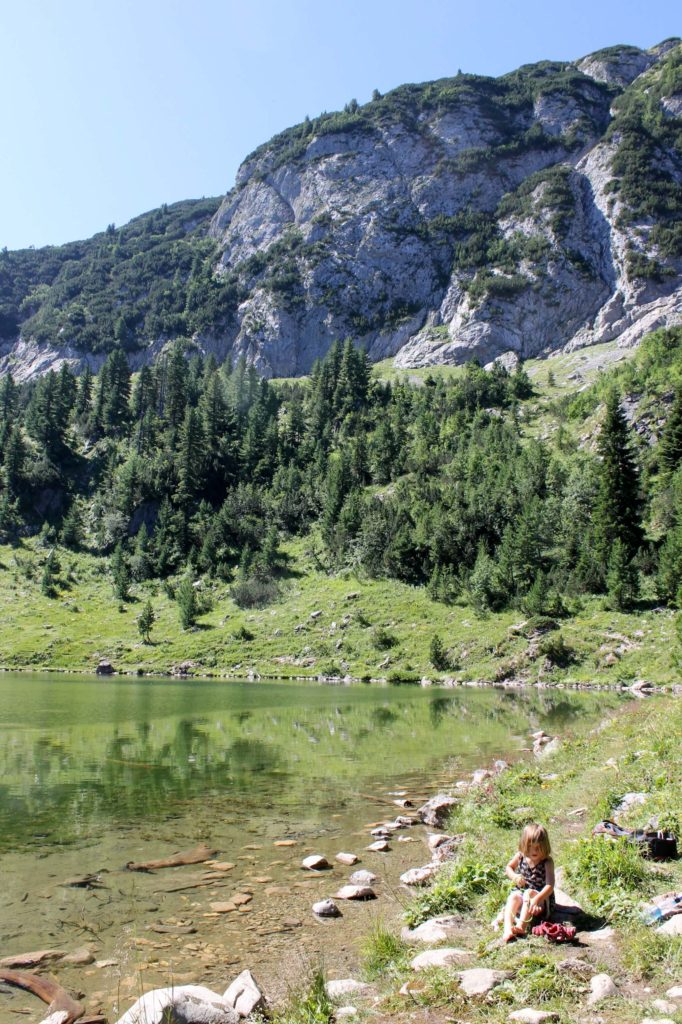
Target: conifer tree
{"x":186,"y":599}
{"x":670,"y":448}
{"x":622,"y":581}
{"x":617,"y":513}
{"x":146,"y":621}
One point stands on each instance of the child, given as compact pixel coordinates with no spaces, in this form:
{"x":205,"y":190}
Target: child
{"x":532,"y":872}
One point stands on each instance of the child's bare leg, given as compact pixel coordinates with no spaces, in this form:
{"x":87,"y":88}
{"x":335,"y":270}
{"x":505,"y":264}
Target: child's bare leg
{"x":510,"y":911}
{"x":526,"y":913}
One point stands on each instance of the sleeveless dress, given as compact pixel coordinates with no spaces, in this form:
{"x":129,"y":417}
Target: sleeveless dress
{"x":536,"y":878}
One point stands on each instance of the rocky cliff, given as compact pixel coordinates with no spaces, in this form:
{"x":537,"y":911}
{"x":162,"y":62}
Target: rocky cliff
{"x":465,"y":217}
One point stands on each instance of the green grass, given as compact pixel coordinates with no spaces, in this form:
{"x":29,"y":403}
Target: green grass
{"x":309,"y":1005}
{"x":383,"y":953}
{"x":385,"y":631}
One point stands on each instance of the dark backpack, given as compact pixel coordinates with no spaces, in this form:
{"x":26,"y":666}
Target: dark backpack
{"x":653,"y":845}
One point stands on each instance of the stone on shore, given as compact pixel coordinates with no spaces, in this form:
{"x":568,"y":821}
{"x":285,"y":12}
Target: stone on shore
{"x":436,"y":839}
{"x":344,"y":1012}
{"x":437,"y":958}
{"x":436,"y":810}
{"x":657,"y":1020}
{"x":478,"y":981}
{"x":326,"y":908}
{"x":180,"y":1005}
{"x":436,"y":929}
{"x":244,"y":995}
{"x":347,"y":858}
{"x":315,"y":863}
{"x":665,"y":1006}
{"x":345,"y":987}
{"x":356,"y":892}
{"x":675,"y":992}
{"x":419,"y":876}
{"x":602,"y":988}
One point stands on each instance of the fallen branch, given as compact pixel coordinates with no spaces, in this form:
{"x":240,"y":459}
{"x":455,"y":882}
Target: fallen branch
{"x":60,"y":1003}
{"x":196,"y":856}
{"x":193,"y":885}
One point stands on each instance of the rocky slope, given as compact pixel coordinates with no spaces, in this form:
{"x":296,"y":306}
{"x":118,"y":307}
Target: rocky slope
{"x":465,"y":217}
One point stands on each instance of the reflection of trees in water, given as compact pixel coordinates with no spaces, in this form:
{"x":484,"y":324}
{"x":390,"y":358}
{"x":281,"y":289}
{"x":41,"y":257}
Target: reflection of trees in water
{"x":381,"y":717}
{"x":441,"y":707}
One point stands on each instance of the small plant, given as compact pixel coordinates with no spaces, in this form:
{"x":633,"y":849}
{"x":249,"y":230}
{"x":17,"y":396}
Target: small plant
{"x":383,"y":952}
{"x":310,"y":1006}
{"x":382,"y":639}
{"x":243,"y":634}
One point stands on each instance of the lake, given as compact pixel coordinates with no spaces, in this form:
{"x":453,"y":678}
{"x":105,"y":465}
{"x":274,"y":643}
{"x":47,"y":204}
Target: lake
{"x":100,"y":772}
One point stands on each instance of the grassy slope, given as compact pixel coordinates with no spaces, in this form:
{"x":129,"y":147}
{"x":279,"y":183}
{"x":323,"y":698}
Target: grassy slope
{"x":637,"y":751}
{"x":85,"y":622}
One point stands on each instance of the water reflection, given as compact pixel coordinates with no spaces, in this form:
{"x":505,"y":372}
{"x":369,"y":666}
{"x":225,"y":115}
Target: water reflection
{"x":78,"y":757}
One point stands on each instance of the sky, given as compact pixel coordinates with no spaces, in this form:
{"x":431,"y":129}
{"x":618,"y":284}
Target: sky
{"x":113,"y":107}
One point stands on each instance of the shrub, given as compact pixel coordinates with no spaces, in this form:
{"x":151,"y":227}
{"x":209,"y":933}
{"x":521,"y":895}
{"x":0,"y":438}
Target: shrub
{"x":254,"y":592}
{"x":554,"y":647}
{"x":244,"y":634}
{"x":382,"y":639}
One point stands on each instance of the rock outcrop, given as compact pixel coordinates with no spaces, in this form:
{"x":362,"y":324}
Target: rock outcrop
{"x":469,"y":217}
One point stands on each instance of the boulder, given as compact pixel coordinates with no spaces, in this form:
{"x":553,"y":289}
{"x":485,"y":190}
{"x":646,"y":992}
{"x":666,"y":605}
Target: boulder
{"x":315,"y":863}
{"x":602,"y":987}
{"x":436,"y":810}
{"x":244,"y":995}
{"x":673,"y":926}
{"x":478,"y":981}
{"x":183,"y":1004}
{"x":346,"y":986}
{"x":419,"y":876}
{"x":326,"y":908}
{"x":437,"y":958}
{"x":433,"y":931}
{"x":362,"y":878}
{"x":347,"y":858}
{"x":356,"y":892}
{"x":105,"y":668}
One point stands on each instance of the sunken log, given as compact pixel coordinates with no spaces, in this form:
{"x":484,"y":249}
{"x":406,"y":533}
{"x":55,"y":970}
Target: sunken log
{"x":198,"y":855}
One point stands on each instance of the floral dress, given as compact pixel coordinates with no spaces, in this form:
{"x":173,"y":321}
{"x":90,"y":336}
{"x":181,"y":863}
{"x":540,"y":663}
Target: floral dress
{"x":536,"y":878}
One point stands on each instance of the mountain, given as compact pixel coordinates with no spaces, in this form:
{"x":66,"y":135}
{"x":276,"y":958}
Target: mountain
{"x":467,"y":217}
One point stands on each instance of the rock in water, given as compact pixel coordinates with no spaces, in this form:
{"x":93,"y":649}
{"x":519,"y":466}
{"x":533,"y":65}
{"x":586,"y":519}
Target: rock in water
{"x":347,"y":858}
{"x":315,"y":863}
{"x":356,"y":892}
{"x":326,"y":908}
{"x":363,"y":878}
{"x":436,"y":810}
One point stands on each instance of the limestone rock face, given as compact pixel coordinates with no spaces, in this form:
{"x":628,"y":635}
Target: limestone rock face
{"x":464,"y":218}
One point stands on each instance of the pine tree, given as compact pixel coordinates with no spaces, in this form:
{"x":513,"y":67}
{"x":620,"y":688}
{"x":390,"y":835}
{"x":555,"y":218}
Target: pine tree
{"x":617,"y":513}
{"x":120,"y":573}
{"x":146,"y":621}
{"x":622,"y":582}
{"x":50,"y":572}
{"x":438,"y":655}
{"x":186,"y":599}
{"x":670,"y":448}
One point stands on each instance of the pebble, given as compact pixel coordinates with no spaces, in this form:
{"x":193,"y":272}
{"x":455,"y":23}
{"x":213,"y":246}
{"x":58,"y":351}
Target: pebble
{"x":602,"y":987}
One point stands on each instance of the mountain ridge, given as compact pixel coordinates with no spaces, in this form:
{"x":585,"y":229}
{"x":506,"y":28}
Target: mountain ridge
{"x":467,"y":217}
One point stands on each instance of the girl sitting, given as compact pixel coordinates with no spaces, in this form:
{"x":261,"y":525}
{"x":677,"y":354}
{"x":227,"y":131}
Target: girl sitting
{"x":531,"y":870}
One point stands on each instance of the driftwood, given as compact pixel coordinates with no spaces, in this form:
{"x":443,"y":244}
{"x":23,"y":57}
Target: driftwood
{"x":59,"y":1000}
{"x":196,"y":856}
{"x":214,"y":884}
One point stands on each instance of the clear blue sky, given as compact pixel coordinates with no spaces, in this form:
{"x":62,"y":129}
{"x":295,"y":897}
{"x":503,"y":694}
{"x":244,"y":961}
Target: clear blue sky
{"x":112,"y":107}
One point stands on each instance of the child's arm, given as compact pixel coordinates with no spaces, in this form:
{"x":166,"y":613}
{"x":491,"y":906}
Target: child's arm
{"x":548,"y":887}
{"x":511,"y":872}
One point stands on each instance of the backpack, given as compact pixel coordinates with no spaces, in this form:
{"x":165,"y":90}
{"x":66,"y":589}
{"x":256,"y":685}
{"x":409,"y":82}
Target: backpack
{"x":653,"y":845}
